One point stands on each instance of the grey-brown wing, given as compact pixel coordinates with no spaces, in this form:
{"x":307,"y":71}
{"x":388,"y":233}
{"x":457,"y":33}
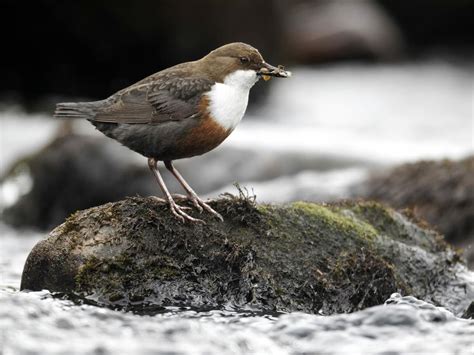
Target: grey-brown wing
{"x":166,"y":99}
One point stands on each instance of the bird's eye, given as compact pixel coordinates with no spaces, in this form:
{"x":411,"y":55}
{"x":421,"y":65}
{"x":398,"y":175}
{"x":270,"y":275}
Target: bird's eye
{"x":244,"y":60}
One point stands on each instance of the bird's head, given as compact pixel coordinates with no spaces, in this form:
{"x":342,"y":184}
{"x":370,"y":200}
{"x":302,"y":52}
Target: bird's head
{"x":240,"y":63}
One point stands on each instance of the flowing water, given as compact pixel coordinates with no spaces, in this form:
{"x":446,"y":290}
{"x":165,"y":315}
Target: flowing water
{"x":376,"y":115}
{"x":37,"y":323}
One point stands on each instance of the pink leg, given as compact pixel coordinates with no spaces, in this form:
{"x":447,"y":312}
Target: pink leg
{"x":175,"y":208}
{"x":197,"y":201}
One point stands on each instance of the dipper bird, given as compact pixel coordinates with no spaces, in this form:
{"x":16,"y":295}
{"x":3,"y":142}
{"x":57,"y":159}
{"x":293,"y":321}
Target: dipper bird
{"x":180,"y":112}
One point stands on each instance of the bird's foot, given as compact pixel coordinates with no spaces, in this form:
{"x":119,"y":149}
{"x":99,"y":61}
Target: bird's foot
{"x":178,"y":210}
{"x":179,"y":213}
{"x":198,"y":203}
{"x":201,"y":205}
{"x":175,"y":197}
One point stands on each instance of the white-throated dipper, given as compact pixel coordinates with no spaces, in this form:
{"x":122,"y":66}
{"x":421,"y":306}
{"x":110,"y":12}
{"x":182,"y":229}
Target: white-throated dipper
{"x":180,"y":112}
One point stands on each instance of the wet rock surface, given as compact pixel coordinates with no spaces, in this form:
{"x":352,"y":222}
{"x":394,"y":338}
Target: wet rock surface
{"x":295,"y":257}
{"x":440,"y":192}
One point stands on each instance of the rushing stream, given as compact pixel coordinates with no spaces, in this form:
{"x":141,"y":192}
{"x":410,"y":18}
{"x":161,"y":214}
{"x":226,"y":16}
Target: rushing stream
{"x":385,"y":115}
{"x":37,"y":323}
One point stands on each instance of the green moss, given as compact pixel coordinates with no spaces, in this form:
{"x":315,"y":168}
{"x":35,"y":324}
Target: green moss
{"x":376,"y":214}
{"x":165,"y":272}
{"x":85,"y":274}
{"x":71,"y":224}
{"x":264,"y":208}
{"x":334,"y":218}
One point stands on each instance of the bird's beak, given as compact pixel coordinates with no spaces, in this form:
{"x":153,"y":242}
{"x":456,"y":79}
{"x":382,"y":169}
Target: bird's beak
{"x":267,"y":71}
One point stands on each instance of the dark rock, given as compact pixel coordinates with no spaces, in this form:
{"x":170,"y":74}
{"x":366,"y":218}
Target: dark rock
{"x":74,"y":172}
{"x":301,"y":256}
{"x":434,"y":24}
{"x":319,"y":31}
{"x":440,"y":192}
{"x":469,"y":313}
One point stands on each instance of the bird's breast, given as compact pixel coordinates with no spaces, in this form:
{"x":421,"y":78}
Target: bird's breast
{"x":207,"y":134}
{"x":228,"y":100}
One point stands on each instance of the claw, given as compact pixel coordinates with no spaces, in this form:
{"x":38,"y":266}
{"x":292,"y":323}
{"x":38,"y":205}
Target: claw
{"x":213,"y":212}
{"x":196,"y":204}
{"x":176,"y":214}
{"x":209,"y":209}
{"x":201,"y":206}
{"x":178,"y":211}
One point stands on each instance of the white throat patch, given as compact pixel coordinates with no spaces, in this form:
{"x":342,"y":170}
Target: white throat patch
{"x":228,"y":100}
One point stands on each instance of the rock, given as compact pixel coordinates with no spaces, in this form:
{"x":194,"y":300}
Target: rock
{"x":448,"y":28}
{"x":440,"y":192}
{"x":469,"y":313}
{"x":74,"y":172}
{"x":297,"y":257}
{"x":319,"y":31}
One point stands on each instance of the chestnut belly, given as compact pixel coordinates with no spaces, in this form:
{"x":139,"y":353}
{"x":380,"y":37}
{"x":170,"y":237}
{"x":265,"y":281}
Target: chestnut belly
{"x":168,"y":140}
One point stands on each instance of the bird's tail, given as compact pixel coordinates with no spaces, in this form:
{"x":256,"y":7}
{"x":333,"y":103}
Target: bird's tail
{"x":81,"y":110}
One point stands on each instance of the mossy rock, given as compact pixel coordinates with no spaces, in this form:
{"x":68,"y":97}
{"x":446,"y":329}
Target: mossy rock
{"x":439,"y":191}
{"x":296,"y":257}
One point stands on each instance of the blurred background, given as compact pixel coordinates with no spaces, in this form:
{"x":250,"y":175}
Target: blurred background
{"x":380,"y":105}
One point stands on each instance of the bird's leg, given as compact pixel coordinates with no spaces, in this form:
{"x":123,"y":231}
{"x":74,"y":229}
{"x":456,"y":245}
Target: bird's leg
{"x":196,"y":200}
{"x":175,"y":208}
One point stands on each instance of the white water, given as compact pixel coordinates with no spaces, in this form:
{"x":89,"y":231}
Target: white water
{"x":390,"y":113}
{"x":37,"y":323}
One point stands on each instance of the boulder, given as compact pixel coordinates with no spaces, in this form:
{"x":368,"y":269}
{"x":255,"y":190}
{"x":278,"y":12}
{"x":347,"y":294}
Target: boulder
{"x":134,"y":254}
{"x":70,"y":173}
{"x":440,"y":192}
{"x":319,"y":30}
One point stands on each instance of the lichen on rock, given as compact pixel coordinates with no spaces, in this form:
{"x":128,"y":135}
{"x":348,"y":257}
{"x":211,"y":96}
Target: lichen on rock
{"x":296,"y":257}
